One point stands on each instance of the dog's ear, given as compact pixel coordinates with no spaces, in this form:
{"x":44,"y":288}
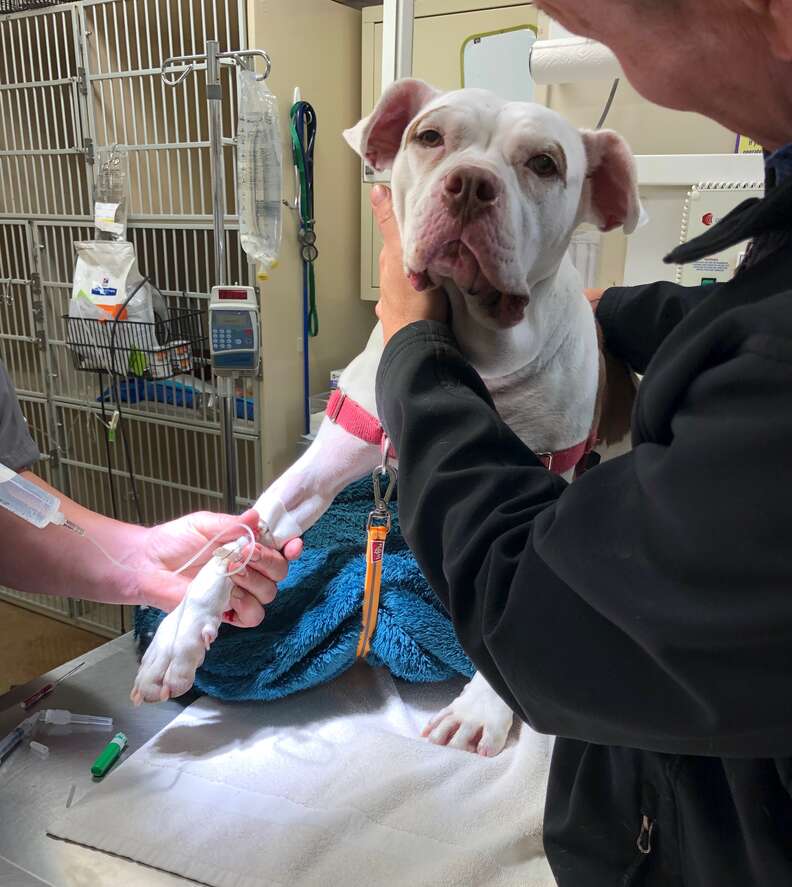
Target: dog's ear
{"x":610,"y":194}
{"x":377,"y":138}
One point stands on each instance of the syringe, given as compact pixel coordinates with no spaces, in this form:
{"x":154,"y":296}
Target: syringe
{"x":30,"y":502}
{"x":60,"y":717}
{"x":55,"y":716}
{"x":10,"y":742}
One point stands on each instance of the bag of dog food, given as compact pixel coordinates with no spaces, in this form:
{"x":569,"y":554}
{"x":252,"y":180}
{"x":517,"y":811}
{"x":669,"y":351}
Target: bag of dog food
{"x":106,"y":274}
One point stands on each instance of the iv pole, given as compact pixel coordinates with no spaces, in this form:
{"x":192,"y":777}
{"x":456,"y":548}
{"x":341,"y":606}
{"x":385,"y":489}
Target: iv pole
{"x":211,"y":62}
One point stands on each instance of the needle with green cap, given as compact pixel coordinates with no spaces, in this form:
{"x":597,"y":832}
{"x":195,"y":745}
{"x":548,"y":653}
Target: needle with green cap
{"x":109,"y":755}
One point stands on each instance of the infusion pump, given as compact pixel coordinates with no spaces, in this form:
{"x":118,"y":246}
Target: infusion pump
{"x":234,"y":330}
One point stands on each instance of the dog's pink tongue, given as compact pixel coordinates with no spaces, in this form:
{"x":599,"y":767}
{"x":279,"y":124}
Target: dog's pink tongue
{"x":419,"y":280}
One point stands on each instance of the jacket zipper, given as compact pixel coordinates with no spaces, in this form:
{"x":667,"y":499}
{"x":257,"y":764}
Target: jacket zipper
{"x":644,"y":844}
{"x":644,"y":841}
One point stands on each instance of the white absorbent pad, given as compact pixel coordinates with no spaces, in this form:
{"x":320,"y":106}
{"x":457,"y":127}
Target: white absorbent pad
{"x":333,"y":786}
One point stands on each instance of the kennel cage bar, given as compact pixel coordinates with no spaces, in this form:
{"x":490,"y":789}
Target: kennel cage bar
{"x":95,"y":67}
{"x":174,"y":70}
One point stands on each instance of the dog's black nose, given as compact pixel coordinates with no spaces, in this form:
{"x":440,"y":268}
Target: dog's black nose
{"x":470,"y":190}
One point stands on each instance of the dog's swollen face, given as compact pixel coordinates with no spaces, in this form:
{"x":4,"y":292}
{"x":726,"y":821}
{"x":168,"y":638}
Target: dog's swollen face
{"x":487,"y":193}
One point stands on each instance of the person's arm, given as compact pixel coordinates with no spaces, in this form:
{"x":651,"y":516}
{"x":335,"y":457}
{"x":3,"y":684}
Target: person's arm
{"x":635,"y":320}
{"x":645,"y":605}
{"x":57,"y":561}
{"x":648,"y":603}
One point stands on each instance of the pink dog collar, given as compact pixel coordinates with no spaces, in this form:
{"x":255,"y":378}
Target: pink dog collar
{"x":359,"y":422}
{"x":572,"y":457}
{"x":355,"y":419}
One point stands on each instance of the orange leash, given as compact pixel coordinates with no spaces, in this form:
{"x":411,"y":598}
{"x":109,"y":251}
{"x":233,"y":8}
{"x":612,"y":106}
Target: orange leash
{"x":377,"y":529}
{"x":371,"y":590}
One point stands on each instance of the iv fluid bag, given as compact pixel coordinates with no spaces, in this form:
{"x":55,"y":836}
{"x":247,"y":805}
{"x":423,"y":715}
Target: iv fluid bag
{"x":111,"y":193}
{"x":259,"y":177}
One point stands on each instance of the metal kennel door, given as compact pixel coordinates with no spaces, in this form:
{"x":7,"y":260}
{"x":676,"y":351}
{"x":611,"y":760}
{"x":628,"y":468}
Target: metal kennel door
{"x":74,"y":79}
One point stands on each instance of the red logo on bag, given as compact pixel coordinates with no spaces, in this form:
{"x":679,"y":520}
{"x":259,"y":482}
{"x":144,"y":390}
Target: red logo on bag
{"x":376,"y":551}
{"x":707,"y":218}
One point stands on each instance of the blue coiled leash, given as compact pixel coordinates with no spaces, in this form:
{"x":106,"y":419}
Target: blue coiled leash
{"x":302,"y":119}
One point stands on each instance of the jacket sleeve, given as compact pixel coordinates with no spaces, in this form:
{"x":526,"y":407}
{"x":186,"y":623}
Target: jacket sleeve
{"x":645,"y":605}
{"x":635,"y":320}
{"x":17,"y":448}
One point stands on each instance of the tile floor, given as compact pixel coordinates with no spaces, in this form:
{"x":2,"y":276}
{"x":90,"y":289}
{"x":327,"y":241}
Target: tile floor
{"x":31,"y":644}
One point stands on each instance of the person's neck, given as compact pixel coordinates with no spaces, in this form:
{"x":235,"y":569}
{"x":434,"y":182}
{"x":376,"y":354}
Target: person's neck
{"x":765,"y":114}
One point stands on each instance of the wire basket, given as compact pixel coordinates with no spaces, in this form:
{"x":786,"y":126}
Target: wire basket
{"x":156,"y":350}
{"x":7,"y":7}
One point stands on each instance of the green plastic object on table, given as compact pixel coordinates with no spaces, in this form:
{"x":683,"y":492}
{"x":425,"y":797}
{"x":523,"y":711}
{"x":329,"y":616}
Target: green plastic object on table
{"x":109,"y":755}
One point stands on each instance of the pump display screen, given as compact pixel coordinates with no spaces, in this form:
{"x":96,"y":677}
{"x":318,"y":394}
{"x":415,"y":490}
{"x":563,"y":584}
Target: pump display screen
{"x":234,"y":319}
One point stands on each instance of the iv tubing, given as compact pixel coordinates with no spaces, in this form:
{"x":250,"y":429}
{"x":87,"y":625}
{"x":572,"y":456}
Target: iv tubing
{"x":190,"y":562}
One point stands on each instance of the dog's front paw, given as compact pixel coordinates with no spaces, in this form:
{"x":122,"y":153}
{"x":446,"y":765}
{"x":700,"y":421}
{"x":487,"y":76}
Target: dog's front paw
{"x":175,"y":653}
{"x":180,"y":644}
{"x":478,"y":720}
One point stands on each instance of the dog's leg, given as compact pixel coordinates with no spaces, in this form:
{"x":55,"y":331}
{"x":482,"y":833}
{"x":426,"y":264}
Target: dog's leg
{"x":478,"y":720}
{"x":289,"y":507}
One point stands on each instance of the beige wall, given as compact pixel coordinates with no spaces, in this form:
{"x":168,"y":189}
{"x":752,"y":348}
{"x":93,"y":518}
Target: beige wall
{"x":316,"y":44}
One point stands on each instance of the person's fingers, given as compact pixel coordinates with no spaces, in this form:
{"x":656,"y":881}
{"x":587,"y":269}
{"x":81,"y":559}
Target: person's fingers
{"x":250,"y":518}
{"x":245,"y":610}
{"x":260,"y":586}
{"x":274,"y":563}
{"x":230,"y":527}
{"x":266,"y":561}
{"x":164,"y":593}
{"x":293,"y":549}
{"x":382,"y":205}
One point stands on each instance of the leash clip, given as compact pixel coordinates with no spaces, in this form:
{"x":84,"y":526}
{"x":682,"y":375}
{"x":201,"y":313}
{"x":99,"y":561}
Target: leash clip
{"x":381,"y":500}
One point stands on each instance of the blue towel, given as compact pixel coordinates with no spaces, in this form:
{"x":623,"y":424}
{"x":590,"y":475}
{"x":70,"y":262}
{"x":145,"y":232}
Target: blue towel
{"x":311,"y":630}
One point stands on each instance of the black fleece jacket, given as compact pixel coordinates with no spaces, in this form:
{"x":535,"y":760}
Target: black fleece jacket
{"x":642,"y":614}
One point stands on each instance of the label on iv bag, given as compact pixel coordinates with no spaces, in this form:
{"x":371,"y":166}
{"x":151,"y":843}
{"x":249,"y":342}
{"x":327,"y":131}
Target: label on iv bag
{"x":104,"y":218}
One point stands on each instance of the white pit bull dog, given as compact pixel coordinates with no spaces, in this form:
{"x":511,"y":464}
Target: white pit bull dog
{"x":487,"y":194}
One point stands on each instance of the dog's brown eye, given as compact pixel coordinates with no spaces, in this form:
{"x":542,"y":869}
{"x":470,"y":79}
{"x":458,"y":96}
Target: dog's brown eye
{"x":430,"y":138}
{"x":543,"y":165}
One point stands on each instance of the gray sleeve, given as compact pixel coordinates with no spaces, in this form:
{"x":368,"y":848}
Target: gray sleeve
{"x":18,"y":450}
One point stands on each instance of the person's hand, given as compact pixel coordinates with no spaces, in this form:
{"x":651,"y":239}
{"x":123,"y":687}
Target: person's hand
{"x":399,"y":304}
{"x":593,"y":296}
{"x":167,"y":546}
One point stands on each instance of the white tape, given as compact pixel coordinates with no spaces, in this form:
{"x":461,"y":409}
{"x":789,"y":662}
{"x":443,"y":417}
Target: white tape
{"x":280,"y":522}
